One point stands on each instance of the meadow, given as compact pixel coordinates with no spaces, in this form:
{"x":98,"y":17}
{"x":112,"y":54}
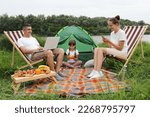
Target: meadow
{"x":137,"y":76}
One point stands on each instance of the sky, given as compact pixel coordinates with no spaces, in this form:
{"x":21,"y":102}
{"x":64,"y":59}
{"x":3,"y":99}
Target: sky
{"x":135,"y":10}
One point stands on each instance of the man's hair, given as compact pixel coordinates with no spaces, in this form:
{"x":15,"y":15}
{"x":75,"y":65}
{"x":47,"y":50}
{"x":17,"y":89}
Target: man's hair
{"x":26,"y":25}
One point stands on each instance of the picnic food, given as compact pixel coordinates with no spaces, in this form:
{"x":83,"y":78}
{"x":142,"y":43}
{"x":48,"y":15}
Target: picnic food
{"x":37,"y":71}
{"x":42,"y":69}
{"x":71,"y":57}
{"x":24,"y":73}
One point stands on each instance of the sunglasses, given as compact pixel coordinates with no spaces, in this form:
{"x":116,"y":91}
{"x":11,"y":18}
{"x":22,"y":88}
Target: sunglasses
{"x":72,"y":44}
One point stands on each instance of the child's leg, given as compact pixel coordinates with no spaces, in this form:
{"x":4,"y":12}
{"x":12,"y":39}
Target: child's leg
{"x":77,"y":63}
{"x":68,"y":64}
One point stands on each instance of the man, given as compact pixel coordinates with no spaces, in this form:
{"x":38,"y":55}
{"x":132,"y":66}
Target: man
{"x":31,"y":47}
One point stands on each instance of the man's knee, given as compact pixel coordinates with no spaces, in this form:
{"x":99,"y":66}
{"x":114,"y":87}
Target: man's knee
{"x":60,"y":51}
{"x":49,"y":53}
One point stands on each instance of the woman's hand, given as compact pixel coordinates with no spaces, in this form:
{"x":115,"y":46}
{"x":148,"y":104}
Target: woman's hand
{"x":105,"y":40}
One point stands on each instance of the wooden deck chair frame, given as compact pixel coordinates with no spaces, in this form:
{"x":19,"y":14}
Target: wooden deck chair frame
{"x":13,"y":36}
{"x":134,"y":36}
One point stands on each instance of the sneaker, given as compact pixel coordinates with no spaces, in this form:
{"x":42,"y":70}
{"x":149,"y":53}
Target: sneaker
{"x":91,"y":74}
{"x":97,"y":75}
{"x":61,"y":74}
{"x":101,"y":73}
{"x":58,"y":77}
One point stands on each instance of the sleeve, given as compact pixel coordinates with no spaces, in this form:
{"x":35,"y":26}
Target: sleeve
{"x":77,"y":52}
{"x":67,"y":52}
{"x":19,"y":43}
{"x":122,"y":36}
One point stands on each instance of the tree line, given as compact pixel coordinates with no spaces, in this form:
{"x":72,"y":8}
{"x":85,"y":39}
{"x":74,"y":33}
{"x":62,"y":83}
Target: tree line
{"x":50,"y":25}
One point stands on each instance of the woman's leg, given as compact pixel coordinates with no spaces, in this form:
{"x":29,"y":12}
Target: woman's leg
{"x":95,"y":62}
{"x":98,"y":58}
{"x":95,"y":58}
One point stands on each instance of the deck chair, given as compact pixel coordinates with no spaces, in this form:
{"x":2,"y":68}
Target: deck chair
{"x":134,"y":36}
{"x":13,"y":36}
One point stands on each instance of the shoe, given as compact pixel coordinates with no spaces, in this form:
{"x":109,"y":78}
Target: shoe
{"x":91,"y":74}
{"x":97,"y":75}
{"x":61,"y":74}
{"x":58,"y":77}
{"x":101,"y":73}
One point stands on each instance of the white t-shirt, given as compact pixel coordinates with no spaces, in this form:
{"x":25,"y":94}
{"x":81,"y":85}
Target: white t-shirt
{"x":119,"y":36}
{"x":29,"y":43}
{"x":72,"y":54}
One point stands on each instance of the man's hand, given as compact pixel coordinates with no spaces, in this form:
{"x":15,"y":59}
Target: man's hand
{"x":40,"y":48}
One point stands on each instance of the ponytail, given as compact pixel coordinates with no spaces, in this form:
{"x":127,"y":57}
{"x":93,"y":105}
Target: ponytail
{"x":115,"y":20}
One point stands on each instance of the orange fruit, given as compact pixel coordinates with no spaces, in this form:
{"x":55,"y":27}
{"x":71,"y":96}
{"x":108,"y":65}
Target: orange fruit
{"x":38,"y":71}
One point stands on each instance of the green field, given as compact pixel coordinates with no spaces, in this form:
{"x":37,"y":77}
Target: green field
{"x":137,"y":76}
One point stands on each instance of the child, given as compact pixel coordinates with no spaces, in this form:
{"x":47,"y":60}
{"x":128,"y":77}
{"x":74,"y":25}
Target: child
{"x":72,"y":55}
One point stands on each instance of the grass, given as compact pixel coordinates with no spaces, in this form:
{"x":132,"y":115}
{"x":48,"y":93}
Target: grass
{"x":137,"y":76}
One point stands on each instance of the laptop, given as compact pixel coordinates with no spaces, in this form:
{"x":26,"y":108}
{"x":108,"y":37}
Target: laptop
{"x":51,"y":43}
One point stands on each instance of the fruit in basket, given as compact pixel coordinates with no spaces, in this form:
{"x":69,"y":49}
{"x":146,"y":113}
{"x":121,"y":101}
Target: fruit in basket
{"x":37,"y":71}
{"x":45,"y":69}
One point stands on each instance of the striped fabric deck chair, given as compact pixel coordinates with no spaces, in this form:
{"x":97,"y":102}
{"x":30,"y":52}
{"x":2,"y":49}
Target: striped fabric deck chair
{"x":134,"y":36}
{"x":13,"y":36}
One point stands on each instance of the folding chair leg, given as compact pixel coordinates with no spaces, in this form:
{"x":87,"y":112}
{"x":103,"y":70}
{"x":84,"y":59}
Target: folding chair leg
{"x":28,"y":65}
{"x":13,"y":52}
{"x":123,"y":69}
{"x":15,"y":87}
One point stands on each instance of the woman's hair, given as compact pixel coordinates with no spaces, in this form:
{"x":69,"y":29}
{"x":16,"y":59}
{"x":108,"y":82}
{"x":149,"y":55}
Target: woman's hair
{"x":115,"y":20}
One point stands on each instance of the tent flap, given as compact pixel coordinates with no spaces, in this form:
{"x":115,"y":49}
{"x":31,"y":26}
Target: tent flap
{"x":84,"y":41}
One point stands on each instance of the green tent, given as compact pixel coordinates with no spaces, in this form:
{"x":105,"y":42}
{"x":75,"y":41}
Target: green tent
{"x":84,"y":41}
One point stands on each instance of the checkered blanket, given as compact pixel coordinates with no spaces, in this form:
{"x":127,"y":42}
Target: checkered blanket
{"x":77,"y":84}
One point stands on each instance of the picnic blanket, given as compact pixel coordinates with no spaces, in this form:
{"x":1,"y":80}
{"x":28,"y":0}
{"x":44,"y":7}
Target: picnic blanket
{"x":77,"y":84}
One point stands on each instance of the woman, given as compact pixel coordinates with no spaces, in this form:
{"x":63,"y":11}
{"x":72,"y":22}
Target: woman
{"x":117,"y":47}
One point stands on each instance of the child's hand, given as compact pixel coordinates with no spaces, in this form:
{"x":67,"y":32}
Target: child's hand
{"x":70,"y":57}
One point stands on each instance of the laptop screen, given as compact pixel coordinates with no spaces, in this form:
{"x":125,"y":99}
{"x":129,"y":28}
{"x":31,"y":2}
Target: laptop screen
{"x":51,"y":43}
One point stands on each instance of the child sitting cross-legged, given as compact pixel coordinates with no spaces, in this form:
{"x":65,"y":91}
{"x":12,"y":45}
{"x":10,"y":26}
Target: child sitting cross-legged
{"x":72,"y":55}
